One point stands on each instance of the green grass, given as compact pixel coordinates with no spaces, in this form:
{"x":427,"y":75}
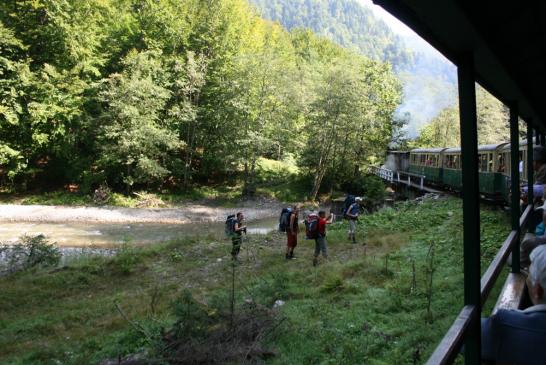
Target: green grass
{"x":359,"y":307}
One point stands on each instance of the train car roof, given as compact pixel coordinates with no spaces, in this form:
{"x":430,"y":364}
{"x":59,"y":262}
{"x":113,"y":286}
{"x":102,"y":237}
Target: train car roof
{"x":453,"y":150}
{"x":491,"y":147}
{"x":521,"y":144}
{"x":398,"y":151}
{"x":427,"y":150}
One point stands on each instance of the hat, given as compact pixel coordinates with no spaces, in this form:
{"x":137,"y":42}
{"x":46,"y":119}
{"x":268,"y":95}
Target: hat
{"x":537,"y":270}
{"x":358,"y":199}
{"x":539,"y":154}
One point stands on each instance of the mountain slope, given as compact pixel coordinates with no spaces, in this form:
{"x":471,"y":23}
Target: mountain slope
{"x":429,"y":79}
{"x":346,"y":22}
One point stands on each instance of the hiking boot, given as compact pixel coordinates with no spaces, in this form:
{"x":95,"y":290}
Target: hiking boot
{"x":287,"y":256}
{"x":315,"y":261}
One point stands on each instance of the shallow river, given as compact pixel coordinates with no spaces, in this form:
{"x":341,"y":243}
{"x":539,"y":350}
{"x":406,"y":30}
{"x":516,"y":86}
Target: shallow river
{"x":111,"y":234}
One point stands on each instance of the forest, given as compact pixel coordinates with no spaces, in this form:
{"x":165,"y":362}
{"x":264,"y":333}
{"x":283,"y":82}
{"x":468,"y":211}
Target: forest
{"x":167,"y":94}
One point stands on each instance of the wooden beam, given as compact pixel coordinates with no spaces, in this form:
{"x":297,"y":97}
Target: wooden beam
{"x":448,"y":349}
{"x":471,"y":205}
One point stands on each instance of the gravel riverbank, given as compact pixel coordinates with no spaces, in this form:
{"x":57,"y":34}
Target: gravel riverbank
{"x":191,"y":213}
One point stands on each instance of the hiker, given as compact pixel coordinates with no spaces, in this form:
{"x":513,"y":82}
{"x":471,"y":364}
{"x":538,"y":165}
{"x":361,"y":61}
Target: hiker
{"x":292,"y":233}
{"x":237,"y":235}
{"x":352,"y":215}
{"x":320,"y":240}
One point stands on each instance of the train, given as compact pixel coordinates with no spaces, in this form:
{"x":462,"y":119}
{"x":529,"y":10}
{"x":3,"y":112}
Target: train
{"x":442,"y":167}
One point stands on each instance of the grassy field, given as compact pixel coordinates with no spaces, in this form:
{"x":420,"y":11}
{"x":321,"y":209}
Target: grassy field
{"x":368,"y":304}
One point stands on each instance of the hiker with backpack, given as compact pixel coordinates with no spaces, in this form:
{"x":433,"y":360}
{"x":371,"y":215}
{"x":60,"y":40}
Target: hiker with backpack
{"x":292,"y":232}
{"x":235,"y":229}
{"x":320,"y":235}
{"x":351,"y":213}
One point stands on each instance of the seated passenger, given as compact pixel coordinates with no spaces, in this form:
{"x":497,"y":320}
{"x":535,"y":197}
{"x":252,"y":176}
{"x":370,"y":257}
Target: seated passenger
{"x":518,"y":336}
{"x":529,"y":244}
{"x":539,"y":164}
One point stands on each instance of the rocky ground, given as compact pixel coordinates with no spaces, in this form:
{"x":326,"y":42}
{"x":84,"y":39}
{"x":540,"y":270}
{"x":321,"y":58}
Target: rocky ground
{"x":190,"y":213}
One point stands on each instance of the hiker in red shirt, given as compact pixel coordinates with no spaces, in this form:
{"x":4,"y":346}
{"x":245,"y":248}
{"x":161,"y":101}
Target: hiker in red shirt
{"x":320,"y":241}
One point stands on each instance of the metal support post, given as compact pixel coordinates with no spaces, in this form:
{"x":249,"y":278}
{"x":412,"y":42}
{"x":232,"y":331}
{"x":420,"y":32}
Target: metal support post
{"x":471,"y":205}
{"x":530,"y":174}
{"x":542,"y":139}
{"x":537,"y":137}
{"x":515,"y":209}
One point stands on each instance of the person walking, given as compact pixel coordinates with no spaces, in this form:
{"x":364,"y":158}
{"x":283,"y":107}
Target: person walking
{"x":352,"y":215}
{"x":237,"y":235}
{"x":292,"y":233}
{"x":321,"y":244}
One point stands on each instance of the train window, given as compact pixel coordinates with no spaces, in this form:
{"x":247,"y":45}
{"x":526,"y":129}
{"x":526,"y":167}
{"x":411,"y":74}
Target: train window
{"x":490,"y":162}
{"x":500,"y":163}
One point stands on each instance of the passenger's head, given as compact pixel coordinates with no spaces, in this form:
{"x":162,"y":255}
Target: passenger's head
{"x":539,"y":157}
{"x":322,"y":214}
{"x":296,"y":208}
{"x":240,"y":216}
{"x":537,"y":272}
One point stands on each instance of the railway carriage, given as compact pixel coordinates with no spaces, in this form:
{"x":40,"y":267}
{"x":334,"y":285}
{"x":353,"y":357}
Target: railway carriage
{"x":427,"y":162}
{"x":452,"y":168}
{"x":490,"y":164}
{"x":505,"y":169}
{"x":442,"y":166}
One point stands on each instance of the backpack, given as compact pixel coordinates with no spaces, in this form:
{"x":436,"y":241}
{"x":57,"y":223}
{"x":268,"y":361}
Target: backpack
{"x":311,"y":226}
{"x":354,"y":209}
{"x":230,"y":225}
{"x":349,"y":200}
{"x":284,"y":219}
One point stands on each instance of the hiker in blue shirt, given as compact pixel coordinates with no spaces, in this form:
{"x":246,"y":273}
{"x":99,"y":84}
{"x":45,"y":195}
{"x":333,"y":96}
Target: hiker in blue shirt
{"x":352,"y":215}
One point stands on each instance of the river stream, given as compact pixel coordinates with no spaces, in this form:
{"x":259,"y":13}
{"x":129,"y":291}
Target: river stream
{"x":106,"y":235}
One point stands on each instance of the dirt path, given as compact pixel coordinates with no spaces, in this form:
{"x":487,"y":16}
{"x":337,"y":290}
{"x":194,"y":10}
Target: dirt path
{"x":186,"y":214}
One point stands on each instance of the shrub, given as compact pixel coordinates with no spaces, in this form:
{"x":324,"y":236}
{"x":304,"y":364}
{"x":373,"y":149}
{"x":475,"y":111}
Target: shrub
{"x":30,"y":251}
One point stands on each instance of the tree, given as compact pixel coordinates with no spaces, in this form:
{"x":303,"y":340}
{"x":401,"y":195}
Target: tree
{"x":352,"y":119}
{"x":134,"y":141}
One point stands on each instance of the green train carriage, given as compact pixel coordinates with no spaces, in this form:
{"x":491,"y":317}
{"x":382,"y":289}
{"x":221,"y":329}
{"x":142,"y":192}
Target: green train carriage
{"x":427,"y":162}
{"x":442,"y":166}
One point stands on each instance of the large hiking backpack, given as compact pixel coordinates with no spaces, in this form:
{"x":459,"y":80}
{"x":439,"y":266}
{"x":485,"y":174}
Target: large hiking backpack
{"x":311,"y":226}
{"x":349,"y":200}
{"x":230,"y":225}
{"x":284,"y":219}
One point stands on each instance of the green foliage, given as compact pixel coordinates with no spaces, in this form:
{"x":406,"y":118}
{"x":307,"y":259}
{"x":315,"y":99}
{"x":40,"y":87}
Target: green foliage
{"x":345,"y":22}
{"x":168,"y":95}
{"x":133,"y":139}
{"x":126,"y":259}
{"x":30,"y":252}
{"x":369,"y":186}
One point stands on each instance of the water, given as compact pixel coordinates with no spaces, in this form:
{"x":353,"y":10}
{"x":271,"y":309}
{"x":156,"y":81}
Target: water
{"x":112,"y":234}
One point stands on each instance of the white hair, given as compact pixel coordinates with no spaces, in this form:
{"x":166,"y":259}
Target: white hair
{"x":537,"y":270}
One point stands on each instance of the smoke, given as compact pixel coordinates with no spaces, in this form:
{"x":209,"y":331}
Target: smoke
{"x":430,"y":85}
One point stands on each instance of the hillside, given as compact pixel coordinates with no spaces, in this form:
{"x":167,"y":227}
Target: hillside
{"x":429,"y":79}
{"x":347,"y":23}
